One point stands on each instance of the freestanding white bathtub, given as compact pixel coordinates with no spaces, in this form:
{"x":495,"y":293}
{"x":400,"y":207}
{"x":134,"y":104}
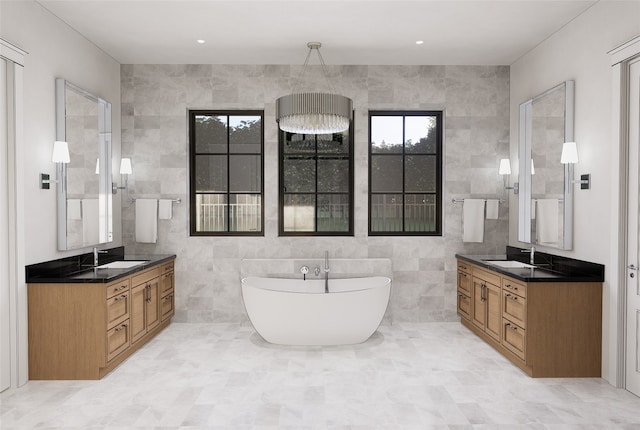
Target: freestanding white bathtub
{"x":297,"y":312}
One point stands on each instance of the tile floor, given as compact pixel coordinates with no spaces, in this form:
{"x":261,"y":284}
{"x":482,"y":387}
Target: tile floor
{"x":407,"y":376}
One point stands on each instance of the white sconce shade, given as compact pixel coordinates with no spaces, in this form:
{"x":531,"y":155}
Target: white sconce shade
{"x":125,"y":166}
{"x":569,"y":153}
{"x":60,"y":152}
{"x":125,"y":169}
{"x":505,"y":167}
{"x":533,"y":169}
{"x":97,"y":166}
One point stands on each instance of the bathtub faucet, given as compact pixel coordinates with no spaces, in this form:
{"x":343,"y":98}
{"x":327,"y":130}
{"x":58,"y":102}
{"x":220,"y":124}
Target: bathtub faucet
{"x":326,"y":271}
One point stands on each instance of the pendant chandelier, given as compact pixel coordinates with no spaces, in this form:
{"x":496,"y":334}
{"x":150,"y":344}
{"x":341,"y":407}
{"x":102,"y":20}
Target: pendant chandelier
{"x":313,"y":113}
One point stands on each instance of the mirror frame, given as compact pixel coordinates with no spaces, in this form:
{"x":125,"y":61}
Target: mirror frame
{"x":105,"y":203}
{"x":524,"y":156}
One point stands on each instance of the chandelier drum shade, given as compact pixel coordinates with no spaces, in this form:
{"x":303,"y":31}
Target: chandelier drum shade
{"x":314,"y":112}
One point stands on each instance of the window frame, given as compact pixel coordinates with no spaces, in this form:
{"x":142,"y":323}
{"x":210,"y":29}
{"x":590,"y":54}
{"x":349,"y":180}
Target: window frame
{"x":439,"y":115}
{"x":192,"y":113}
{"x":282,"y":194}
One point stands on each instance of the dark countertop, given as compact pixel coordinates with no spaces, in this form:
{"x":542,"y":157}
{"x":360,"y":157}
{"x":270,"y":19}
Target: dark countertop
{"x":76,"y":270}
{"x":554,"y":268}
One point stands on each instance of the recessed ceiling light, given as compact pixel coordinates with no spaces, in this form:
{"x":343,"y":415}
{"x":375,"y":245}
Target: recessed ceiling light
{"x":419,"y":42}
{"x":200,"y":41}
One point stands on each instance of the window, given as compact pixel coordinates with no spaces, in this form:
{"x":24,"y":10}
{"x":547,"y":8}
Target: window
{"x":226,"y":172}
{"x":405,"y":173}
{"x":316,"y":184}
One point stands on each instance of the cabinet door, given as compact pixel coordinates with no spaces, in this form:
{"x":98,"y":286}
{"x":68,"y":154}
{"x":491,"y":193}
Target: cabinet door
{"x":464,"y":306}
{"x":166,"y":283}
{"x":117,"y":339}
{"x":514,"y":338}
{"x":493,"y":302}
{"x":478,"y":310}
{"x":138,"y":314}
{"x":153,"y":303}
{"x":167,"y":306}
{"x":514,"y":308}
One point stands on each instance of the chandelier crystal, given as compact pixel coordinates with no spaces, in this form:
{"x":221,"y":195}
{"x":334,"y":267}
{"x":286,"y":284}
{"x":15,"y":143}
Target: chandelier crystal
{"x":314,"y":113}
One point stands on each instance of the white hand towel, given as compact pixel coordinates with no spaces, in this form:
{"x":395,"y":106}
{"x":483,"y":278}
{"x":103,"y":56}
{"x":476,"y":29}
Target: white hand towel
{"x":165,"y":209}
{"x":493,"y":209}
{"x":547,"y":221}
{"x":90,"y":218}
{"x":74,"y":209}
{"x":473,"y":220}
{"x":146,"y":220}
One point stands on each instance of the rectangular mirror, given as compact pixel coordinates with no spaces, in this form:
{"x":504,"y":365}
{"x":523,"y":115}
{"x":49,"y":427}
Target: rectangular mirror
{"x":545,"y":209}
{"x":84,"y":196}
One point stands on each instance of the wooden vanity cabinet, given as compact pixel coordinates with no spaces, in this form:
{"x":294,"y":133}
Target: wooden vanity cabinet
{"x":548,"y":329}
{"x":84,"y":330}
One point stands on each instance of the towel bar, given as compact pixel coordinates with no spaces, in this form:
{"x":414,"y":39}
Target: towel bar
{"x":485,"y":199}
{"x":176,"y":200}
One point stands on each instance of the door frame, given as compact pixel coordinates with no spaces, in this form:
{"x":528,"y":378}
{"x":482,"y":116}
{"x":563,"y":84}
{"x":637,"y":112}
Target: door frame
{"x":15,"y":163}
{"x":621,"y":58}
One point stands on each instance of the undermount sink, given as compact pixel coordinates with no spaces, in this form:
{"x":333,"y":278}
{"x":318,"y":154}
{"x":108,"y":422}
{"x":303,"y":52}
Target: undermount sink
{"x":510,"y":264}
{"x":121,"y":264}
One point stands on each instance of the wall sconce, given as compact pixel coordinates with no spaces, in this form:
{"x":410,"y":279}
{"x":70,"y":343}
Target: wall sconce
{"x":60,"y":155}
{"x":570,"y":156}
{"x":505,"y":171}
{"x":126,"y":170}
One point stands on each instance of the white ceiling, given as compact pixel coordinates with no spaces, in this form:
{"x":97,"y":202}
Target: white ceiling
{"x":478,"y":32}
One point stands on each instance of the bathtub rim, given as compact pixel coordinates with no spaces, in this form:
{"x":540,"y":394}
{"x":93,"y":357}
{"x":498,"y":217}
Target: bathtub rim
{"x":388,"y":281}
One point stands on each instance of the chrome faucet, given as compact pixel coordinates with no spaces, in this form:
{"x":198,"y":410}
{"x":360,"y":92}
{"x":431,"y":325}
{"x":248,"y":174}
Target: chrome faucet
{"x":95,"y":256}
{"x":532,"y":256}
{"x":326,"y":271}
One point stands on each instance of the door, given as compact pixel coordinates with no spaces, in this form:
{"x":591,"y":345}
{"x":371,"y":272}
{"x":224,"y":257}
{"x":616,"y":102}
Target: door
{"x":632,"y":340}
{"x":5,"y":320}
{"x":153,"y":303}
{"x":138,"y":314}
{"x":478,"y":309}
{"x":493,"y":299}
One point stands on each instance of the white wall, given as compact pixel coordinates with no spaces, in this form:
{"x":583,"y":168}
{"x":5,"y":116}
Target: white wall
{"x":54,"y":51}
{"x":579,"y":52}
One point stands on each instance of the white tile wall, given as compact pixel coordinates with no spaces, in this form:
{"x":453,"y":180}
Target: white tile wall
{"x":155,"y":100}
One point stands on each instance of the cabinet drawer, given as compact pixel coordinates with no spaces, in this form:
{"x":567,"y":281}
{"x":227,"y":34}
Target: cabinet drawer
{"x":117,"y":309}
{"x":167,"y":267}
{"x":514,"y":308}
{"x":514,"y":338}
{"x":145,"y":276}
{"x":117,"y":287}
{"x":464,"y":306}
{"x":167,"y":306}
{"x":118,"y":339}
{"x":166,"y":283}
{"x":464,"y":282}
{"x":489,"y":277}
{"x":514,"y":287}
{"x":464,"y":267}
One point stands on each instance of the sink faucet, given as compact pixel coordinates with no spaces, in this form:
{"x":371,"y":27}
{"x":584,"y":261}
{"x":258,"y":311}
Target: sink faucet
{"x":532,"y":256}
{"x":326,"y":271}
{"x":95,"y":256}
